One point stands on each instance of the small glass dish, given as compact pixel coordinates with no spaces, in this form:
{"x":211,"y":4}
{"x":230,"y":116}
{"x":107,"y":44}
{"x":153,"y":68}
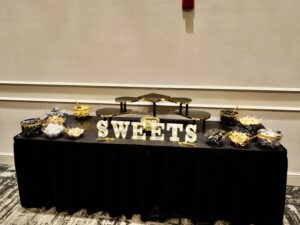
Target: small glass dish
{"x":215,"y":137}
{"x":74,"y":132}
{"x":269,"y":138}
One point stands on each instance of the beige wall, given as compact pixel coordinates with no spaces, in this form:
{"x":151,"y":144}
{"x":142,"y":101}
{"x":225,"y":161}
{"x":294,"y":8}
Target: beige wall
{"x":234,"y":43}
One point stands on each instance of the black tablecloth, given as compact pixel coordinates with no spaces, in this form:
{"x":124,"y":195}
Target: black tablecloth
{"x":128,"y":176}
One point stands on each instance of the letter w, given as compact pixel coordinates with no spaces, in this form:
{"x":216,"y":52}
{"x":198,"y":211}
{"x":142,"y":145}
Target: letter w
{"x":120,"y":127}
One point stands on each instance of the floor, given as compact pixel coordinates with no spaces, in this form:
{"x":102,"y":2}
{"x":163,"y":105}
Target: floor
{"x":11,"y":212}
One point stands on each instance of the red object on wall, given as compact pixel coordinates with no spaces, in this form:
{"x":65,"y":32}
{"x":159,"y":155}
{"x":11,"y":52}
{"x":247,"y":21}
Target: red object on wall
{"x":188,"y":4}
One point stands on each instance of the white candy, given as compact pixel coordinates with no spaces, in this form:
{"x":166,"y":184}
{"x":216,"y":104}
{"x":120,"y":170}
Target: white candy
{"x":53,"y":130}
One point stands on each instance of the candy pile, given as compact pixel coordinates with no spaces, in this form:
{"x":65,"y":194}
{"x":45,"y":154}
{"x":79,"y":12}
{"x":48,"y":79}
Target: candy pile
{"x":239,"y":139}
{"x":214,"y":137}
{"x":55,"y":120}
{"x":74,"y":132}
{"x":249,"y":125}
{"x":81,"y":111}
{"x":249,"y":120}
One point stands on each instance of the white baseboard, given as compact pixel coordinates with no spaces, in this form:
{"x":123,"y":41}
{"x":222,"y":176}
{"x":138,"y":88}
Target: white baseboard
{"x":7,"y":158}
{"x":292,"y":179}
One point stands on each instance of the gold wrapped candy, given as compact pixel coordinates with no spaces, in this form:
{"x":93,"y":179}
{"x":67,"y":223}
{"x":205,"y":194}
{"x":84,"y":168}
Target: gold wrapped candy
{"x":55,"y":120}
{"x":239,"y":139}
{"x":249,"y":120}
{"x":75,"y":132}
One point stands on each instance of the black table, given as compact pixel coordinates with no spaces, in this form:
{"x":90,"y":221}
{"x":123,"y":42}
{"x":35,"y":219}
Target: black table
{"x":126,"y":177}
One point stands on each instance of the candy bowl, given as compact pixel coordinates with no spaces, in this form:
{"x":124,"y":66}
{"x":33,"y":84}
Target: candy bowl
{"x":239,"y":139}
{"x":53,"y":130}
{"x":229,"y":117}
{"x":31,"y":127}
{"x":81,"y":111}
{"x":249,"y":125}
{"x":74,"y":132}
{"x":214,"y":137}
{"x":269,"y":138}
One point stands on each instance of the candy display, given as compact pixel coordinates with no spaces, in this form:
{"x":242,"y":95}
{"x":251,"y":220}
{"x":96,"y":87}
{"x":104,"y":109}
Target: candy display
{"x":81,"y":111}
{"x":53,"y":130}
{"x":56,"y":111}
{"x":229,"y":117}
{"x":31,"y":127}
{"x":269,"y":138}
{"x":215,"y":137}
{"x":75,"y":132}
{"x":247,"y":128}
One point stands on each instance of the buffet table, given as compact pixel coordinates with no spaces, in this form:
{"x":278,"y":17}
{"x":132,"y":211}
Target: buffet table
{"x":127,"y":176}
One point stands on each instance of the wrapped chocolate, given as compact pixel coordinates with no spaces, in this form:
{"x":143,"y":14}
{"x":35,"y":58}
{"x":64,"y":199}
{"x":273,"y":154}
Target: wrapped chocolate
{"x":214,"y":137}
{"x":56,"y":111}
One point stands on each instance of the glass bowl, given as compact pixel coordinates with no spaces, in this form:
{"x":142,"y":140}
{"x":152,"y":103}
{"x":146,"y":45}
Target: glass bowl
{"x":53,"y":130}
{"x":229,"y":117}
{"x":31,"y":127}
{"x":239,"y":139}
{"x":269,"y":138}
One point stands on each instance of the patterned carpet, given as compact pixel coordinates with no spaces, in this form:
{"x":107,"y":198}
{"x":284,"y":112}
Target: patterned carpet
{"x":11,"y":212}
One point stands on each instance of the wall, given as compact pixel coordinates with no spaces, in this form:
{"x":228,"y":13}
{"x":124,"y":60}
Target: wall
{"x":232,"y":43}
